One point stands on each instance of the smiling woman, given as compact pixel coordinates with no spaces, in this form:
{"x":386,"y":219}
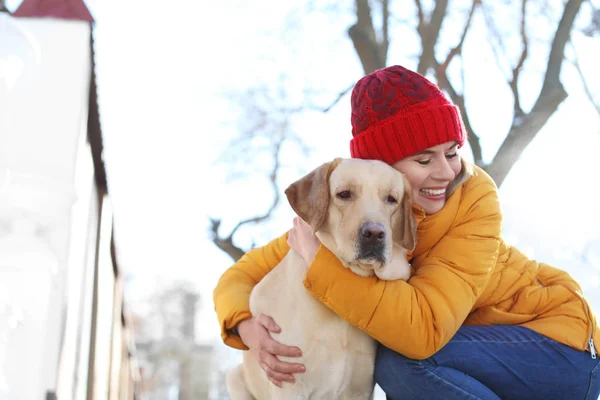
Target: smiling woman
{"x":477,"y":318}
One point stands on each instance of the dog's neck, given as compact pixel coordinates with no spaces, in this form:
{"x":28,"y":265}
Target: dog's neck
{"x":327,"y":240}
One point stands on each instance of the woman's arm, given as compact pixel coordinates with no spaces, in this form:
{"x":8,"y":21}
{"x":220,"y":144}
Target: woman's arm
{"x":232,"y":293}
{"x":418,"y":317}
{"x":239,"y":328}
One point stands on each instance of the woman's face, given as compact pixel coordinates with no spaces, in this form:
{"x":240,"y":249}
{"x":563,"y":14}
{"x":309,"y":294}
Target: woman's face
{"x":430,"y":172}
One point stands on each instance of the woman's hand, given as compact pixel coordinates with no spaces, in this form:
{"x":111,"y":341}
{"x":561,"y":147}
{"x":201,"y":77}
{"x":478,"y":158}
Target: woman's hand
{"x":255,"y":334}
{"x":303,"y":241}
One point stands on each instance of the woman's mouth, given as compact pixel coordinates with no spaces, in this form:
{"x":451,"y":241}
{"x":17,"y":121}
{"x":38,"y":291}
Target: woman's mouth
{"x":433,"y":193}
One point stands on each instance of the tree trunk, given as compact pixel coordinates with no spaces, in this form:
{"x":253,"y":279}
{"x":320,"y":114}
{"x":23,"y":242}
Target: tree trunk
{"x":371,"y":53}
{"x":3,"y":6}
{"x":524,"y":128}
{"x":521,"y":135}
{"x":430,"y":33}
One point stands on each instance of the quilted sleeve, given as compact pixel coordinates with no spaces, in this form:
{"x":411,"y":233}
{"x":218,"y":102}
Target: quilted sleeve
{"x":232,"y":293}
{"x":418,"y":317}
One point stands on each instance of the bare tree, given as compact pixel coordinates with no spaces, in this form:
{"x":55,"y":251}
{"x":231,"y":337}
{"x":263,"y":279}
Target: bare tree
{"x":3,"y":6}
{"x":525,"y":124}
{"x":267,"y":122}
{"x":372,"y":36}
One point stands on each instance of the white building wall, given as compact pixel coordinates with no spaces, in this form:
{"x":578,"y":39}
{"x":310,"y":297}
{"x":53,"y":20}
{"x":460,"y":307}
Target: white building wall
{"x":44,"y":88}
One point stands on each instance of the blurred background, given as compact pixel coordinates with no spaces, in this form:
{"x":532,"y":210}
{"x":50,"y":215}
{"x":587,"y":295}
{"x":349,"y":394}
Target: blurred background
{"x":145,"y":146}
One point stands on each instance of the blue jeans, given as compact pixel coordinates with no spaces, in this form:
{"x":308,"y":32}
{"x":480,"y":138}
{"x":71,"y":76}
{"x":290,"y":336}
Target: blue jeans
{"x":491,"y":362}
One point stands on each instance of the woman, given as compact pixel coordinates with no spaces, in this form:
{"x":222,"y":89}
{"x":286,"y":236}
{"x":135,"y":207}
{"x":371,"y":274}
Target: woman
{"x":477,"y":319}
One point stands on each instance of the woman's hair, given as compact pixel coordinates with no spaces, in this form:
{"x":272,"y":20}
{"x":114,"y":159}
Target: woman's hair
{"x":397,"y":113}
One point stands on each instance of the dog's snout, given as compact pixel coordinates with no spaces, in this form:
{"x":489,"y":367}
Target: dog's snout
{"x":372,"y":238}
{"x":372,"y":233}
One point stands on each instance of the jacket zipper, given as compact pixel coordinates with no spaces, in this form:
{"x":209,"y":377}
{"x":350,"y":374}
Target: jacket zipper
{"x":591,"y":336}
{"x":592,"y":348}
{"x":590,"y":342}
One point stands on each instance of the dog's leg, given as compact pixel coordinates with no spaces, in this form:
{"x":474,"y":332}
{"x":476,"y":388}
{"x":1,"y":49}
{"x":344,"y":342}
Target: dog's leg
{"x":236,"y":385}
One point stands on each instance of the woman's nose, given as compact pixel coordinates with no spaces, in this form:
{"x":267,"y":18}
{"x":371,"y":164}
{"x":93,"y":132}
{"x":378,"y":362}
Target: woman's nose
{"x":444,"y":171}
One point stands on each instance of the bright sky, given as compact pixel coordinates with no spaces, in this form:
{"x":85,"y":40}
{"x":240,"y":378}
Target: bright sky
{"x":168,"y":80}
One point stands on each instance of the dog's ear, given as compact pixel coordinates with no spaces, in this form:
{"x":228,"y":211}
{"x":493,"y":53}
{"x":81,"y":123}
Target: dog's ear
{"x":405,"y":227}
{"x":309,"y":196}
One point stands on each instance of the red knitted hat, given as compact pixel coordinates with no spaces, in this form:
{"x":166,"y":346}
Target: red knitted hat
{"x":397,"y":113}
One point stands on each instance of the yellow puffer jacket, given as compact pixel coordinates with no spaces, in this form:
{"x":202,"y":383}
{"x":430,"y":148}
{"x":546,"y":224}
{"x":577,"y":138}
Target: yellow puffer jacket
{"x":463,"y":273}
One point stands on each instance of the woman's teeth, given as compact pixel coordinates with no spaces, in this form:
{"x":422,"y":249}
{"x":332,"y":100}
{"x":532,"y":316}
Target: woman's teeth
{"x":432,"y":192}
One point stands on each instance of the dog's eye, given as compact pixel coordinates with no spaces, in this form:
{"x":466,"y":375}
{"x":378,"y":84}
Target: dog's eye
{"x":392,"y":200}
{"x":345,"y":195}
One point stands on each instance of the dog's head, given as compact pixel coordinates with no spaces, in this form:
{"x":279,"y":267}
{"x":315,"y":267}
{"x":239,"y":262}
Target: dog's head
{"x":361,"y":210}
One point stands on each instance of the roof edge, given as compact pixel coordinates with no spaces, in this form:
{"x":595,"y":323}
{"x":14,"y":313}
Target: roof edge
{"x":74,"y":10}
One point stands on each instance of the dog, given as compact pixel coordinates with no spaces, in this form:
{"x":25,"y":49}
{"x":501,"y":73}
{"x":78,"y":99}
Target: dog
{"x":361,"y":210}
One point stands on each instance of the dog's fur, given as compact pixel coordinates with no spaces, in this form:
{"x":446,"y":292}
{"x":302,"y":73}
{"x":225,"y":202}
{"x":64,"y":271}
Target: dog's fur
{"x":345,"y":202}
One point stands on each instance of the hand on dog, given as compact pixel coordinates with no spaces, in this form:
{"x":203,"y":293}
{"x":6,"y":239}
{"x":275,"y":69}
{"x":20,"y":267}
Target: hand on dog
{"x":255,"y":334}
{"x":303,"y":241}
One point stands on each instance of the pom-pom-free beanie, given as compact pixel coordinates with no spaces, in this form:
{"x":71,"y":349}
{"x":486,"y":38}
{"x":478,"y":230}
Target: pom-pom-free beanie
{"x":397,"y":113}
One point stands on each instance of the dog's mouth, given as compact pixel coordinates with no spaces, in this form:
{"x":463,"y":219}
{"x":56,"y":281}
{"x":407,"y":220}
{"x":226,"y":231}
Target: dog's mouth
{"x":371,"y":254}
{"x":370,"y":258}
{"x":370,"y":261}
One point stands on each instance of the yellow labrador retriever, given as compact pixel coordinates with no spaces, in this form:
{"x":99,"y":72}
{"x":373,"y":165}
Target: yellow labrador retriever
{"x":361,"y":211}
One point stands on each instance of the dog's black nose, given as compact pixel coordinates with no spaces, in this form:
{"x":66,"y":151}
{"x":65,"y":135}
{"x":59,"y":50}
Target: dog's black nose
{"x":372,"y":233}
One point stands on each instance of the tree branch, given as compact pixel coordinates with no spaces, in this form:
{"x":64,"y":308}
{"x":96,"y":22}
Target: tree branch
{"x":267,"y":124}
{"x":430,"y":33}
{"x":421,"y":16}
{"x":458,"y":48}
{"x":385,"y":27}
{"x":458,"y":99}
{"x":226,"y":243}
{"x":514,"y":82}
{"x":315,"y":107}
{"x":586,"y":87}
{"x":499,"y":50}
{"x":338,"y":98}
{"x":472,"y":137}
{"x":364,"y":39}
{"x":551,"y":95}
{"x":557,"y":52}
{"x":274,"y":185}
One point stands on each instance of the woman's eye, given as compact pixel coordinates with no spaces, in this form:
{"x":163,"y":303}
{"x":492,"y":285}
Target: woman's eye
{"x":423,"y":162}
{"x":451,"y":156}
{"x":392,"y":200}
{"x":344,"y":195}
